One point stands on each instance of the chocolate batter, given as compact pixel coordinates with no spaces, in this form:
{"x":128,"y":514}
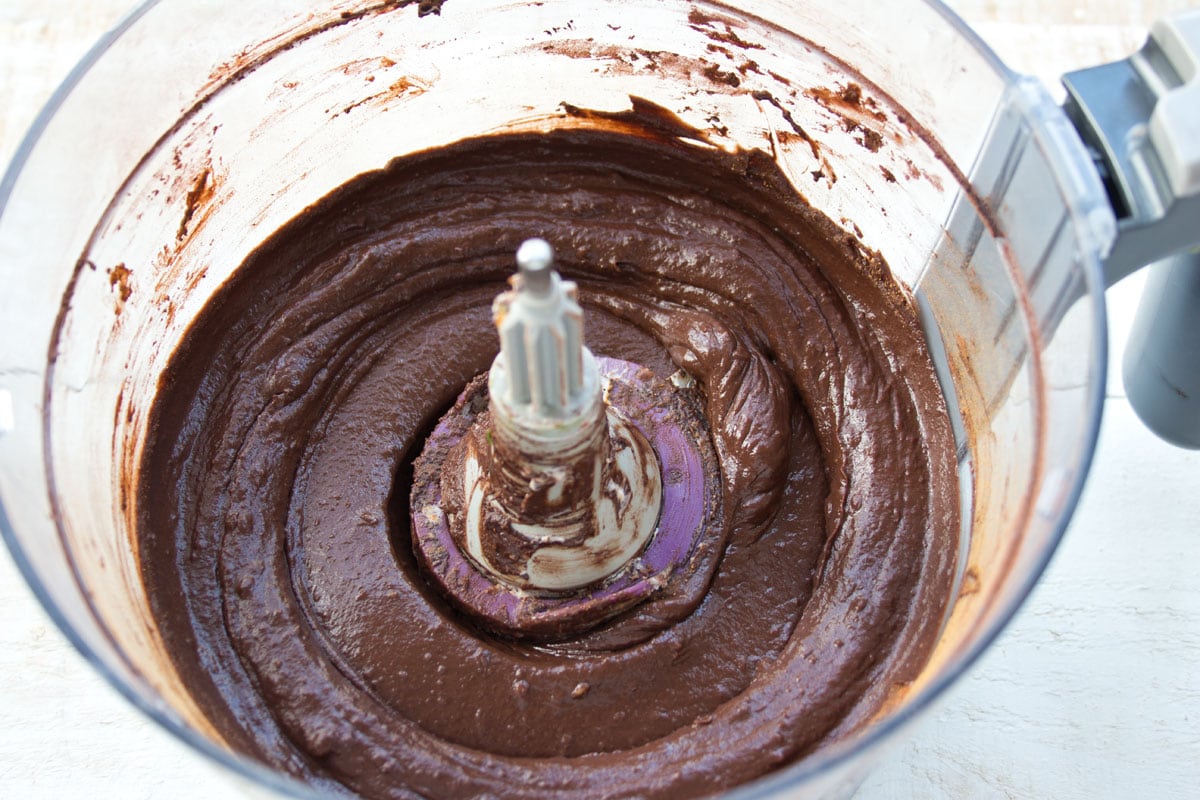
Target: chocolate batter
{"x":276,"y":479}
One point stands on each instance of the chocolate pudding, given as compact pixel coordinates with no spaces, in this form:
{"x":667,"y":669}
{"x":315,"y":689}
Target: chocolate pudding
{"x":274,"y":490}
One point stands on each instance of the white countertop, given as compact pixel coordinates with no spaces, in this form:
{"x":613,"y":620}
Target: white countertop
{"x":1092,"y":692}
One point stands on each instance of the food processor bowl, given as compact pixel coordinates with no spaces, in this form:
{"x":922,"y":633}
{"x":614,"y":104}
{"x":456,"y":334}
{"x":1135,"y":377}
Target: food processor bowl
{"x":194,"y":130}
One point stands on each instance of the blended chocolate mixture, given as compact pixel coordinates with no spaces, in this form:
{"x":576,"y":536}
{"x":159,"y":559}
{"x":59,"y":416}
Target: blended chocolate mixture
{"x":275,"y":487}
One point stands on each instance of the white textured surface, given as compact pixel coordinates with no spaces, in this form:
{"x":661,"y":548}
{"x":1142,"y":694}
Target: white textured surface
{"x":1093,"y":692}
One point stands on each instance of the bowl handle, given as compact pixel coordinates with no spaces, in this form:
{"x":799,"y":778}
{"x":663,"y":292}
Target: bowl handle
{"x":1140,"y":118}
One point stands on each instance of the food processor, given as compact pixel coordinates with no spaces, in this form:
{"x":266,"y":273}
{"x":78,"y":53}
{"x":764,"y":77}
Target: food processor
{"x":1001,"y":215}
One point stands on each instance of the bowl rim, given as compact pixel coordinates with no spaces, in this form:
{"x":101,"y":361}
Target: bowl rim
{"x":825,"y":760}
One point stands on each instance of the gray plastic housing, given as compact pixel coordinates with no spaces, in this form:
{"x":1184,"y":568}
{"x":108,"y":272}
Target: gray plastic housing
{"x":1141,"y":119}
{"x":1162,"y":360}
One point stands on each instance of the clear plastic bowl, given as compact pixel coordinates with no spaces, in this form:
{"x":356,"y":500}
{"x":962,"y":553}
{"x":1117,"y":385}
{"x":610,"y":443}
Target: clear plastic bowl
{"x":192,"y":132}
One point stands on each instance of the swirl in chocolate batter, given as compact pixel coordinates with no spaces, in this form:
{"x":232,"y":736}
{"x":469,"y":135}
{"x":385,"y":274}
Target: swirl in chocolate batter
{"x":275,"y":484}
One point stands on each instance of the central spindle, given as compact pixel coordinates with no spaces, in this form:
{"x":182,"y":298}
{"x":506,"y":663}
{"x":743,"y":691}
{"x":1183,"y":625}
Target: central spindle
{"x":564,"y":488}
{"x":561,"y":491}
